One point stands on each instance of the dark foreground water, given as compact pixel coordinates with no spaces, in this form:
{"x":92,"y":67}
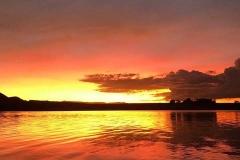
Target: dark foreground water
{"x":120,"y":135}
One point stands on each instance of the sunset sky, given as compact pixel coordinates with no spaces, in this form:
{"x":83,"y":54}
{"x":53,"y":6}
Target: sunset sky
{"x":120,"y":50}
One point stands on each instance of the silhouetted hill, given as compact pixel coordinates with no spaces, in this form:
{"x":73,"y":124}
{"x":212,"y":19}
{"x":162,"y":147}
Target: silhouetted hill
{"x":11,"y":103}
{"x":17,"y":104}
{"x":3,"y":97}
{"x":15,"y":99}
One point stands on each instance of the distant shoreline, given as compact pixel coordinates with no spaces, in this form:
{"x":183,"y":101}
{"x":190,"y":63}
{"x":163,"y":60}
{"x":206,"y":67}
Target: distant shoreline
{"x":71,"y":106}
{"x":17,"y":104}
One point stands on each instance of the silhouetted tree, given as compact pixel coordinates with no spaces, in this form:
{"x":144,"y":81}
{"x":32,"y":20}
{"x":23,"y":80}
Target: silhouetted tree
{"x":172,"y":101}
{"x":204,"y":101}
{"x":188,"y":101}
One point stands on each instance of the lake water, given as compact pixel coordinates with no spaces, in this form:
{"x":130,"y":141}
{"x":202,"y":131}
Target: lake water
{"x":120,"y":135}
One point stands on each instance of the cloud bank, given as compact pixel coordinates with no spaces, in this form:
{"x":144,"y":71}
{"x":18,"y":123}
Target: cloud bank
{"x":183,"y":83}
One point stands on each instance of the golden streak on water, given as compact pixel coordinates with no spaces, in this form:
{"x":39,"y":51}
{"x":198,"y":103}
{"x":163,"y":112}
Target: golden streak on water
{"x":119,"y":135}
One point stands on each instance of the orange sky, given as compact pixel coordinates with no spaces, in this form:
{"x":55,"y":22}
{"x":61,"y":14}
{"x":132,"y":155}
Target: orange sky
{"x":46,"y":47}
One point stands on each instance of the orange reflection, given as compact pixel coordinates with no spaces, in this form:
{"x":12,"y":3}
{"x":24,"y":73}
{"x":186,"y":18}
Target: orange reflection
{"x":59,"y":126}
{"x":114,"y":135}
{"x":66,"y":132}
{"x":227,"y":117}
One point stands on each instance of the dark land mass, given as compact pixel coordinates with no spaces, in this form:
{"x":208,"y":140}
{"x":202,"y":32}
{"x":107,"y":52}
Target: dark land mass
{"x":17,"y":104}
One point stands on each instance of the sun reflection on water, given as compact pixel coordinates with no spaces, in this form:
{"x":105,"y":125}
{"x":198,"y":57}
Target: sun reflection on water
{"x":119,"y":135}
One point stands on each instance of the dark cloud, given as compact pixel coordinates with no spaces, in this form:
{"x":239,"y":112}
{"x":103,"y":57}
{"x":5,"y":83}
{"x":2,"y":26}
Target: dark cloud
{"x":190,"y":84}
{"x":211,"y":72}
{"x":182,"y":84}
{"x":231,"y":86}
{"x":123,"y":82}
{"x":237,"y":63}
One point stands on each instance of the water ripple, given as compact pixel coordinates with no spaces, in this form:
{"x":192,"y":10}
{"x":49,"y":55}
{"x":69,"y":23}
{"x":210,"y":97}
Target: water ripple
{"x":120,"y":135}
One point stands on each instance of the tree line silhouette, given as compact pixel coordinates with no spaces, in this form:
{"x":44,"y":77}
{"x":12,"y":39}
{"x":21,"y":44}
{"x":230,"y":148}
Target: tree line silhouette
{"x":17,"y":104}
{"x":197,"y":101}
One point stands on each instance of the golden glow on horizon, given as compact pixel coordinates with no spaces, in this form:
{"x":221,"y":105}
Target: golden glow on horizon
{"x":227,"y":100}
{"x":68,"y":90}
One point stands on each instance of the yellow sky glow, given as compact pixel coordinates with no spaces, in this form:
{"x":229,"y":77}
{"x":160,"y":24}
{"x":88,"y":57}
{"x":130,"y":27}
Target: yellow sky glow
{"x":69,"y":90}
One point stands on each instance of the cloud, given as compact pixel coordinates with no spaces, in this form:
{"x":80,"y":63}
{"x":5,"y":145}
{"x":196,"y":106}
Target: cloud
{"x":182,"y":84}
{"x":231,"y":86}
{"x":211,"y":72}
{"x":123,"y":82}
{"x":192,"y":84}
{"x":237,"y":63}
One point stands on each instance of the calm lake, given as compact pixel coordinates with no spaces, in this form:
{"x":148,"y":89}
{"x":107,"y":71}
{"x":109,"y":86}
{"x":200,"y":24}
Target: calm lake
{"x":125,"y":135}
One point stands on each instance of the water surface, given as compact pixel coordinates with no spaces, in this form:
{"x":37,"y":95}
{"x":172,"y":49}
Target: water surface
{"x":120,"y":135}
